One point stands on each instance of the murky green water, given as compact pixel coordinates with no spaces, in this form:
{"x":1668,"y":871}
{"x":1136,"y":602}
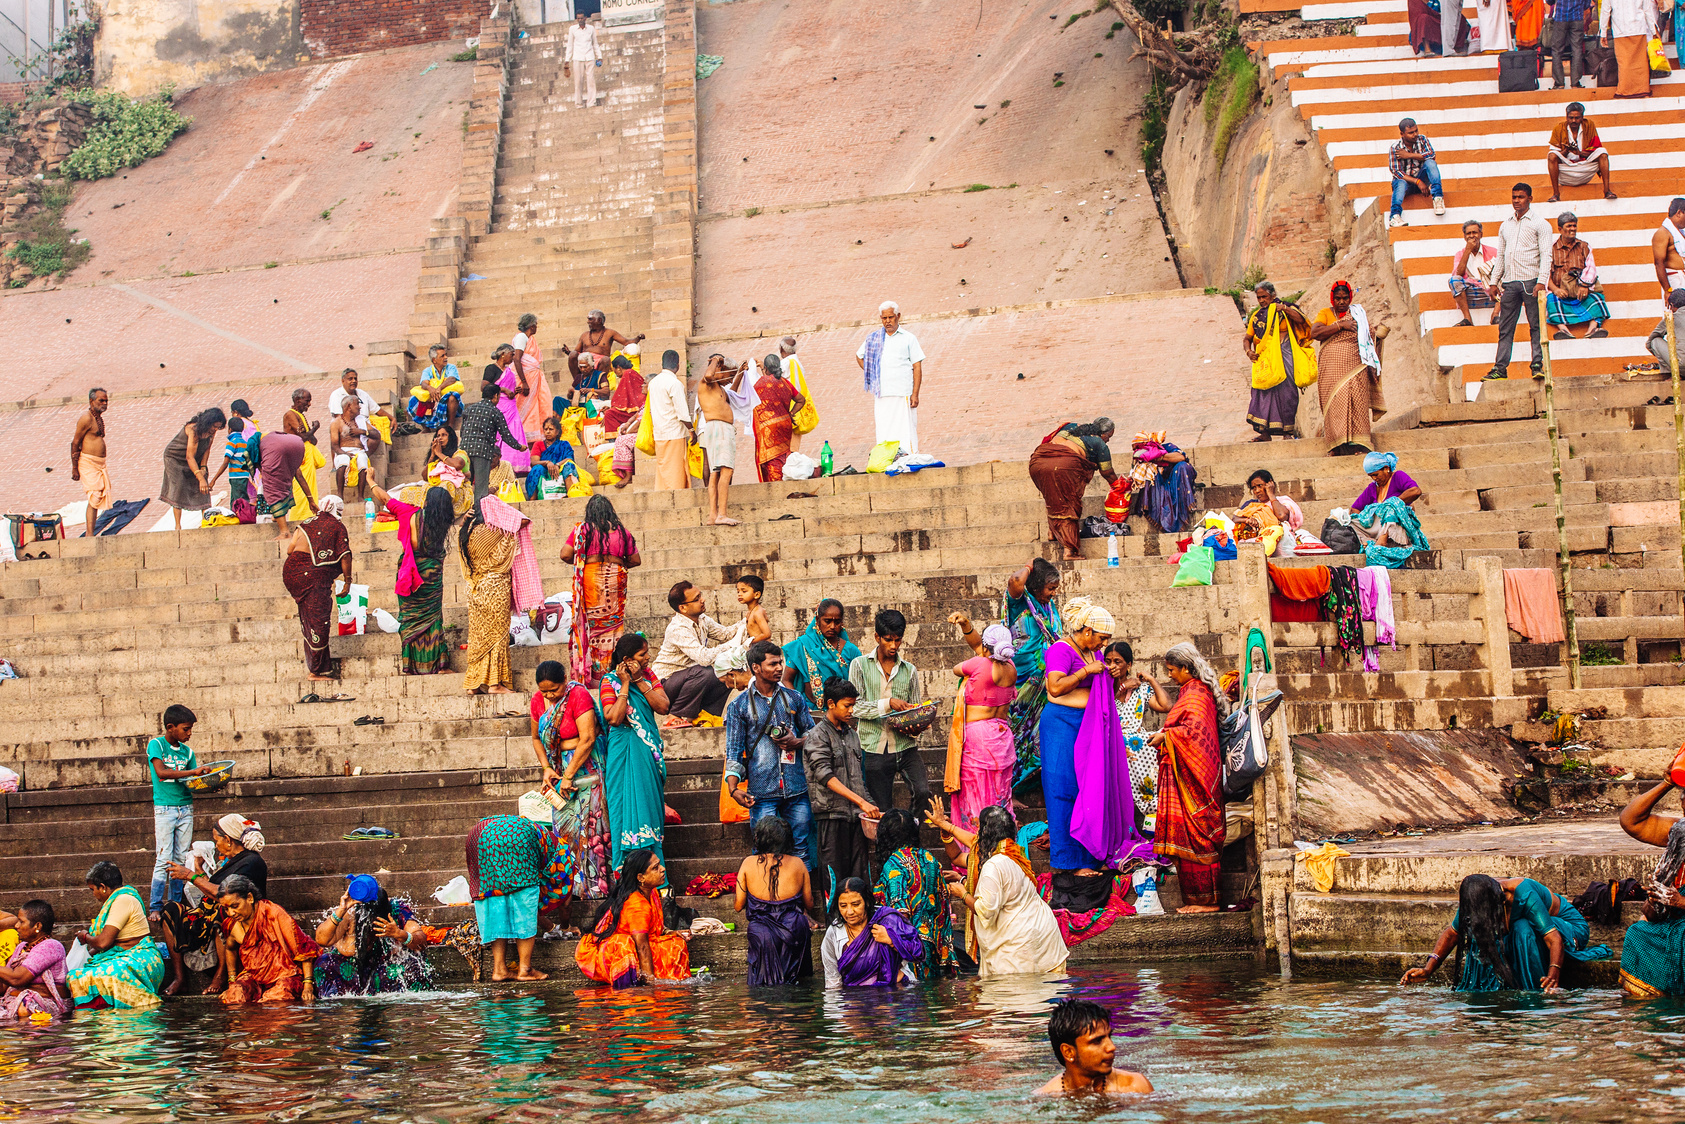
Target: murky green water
{"x":1219,"y":1042}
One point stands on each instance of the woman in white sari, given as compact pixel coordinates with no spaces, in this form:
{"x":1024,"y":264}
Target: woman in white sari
{"x":1009,"y":930}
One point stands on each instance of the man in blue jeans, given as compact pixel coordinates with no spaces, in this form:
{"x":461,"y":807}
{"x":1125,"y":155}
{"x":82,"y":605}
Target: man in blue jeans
{"x":171,"y":761}
{"x":764,"y":728}
{"x":1412,"y":166}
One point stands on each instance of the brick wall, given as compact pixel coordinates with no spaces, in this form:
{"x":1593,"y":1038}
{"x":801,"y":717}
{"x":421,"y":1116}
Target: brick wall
{"x":346,"y":27}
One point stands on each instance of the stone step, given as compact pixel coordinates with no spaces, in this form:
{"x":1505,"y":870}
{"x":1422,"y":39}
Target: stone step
{"x":1340,"y":924}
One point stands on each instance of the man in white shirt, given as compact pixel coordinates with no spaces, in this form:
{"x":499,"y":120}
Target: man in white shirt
{"x":894,"y":366}
{"x":1520,"y":270}
{"x":669,"y":416}
{"x":685,"y":664}
{"x":796,"y":374}
{"x":580,"y":56}
{"x":378,"y":449}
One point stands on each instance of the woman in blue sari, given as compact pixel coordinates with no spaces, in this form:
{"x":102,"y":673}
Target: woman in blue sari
{"x":1510,"y":934}
{"x":634,"y":764}
{"x":820,"y":654}
{"x":552,"y":459}
{"x":1035,"y":623}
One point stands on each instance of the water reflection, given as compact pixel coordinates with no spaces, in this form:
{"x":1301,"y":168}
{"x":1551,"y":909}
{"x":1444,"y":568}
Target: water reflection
{"x":1221,"y":1044}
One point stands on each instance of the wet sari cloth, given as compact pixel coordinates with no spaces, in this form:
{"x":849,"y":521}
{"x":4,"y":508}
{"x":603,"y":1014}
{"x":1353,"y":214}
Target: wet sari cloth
{"x":773,"y":425}
{"x":1189,"y":827}
{"x":1034,"y":626}
{"x":780,"y":940}
{"x":274,"y":956}
{"x":126,"y":978}
{"x":507,"y":860}
{"x":421,"y":602}
{"x":973,"y":871}
{"x":865,"y":962}
{"x":816,"y":661}
{"x":912,"y":885}
{"x":1398,"y":513}
{"x":1077,"y":927}
{"x":1015,"y":930}
{"x":45,"y":961}
{"x":582,"y":820}
{"x":1103,"y":818}
{"x":1653,"y":956}
{"x":635,"y":769}
{"x":487,"y":566}
{"x":1523,"y":946}
{"x":610,"y":956}
{"x":390,"y":968}
{"x":599,"y":599}
{"x":309,"y":577}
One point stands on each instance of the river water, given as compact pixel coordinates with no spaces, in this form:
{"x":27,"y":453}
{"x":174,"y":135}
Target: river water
{"x":1220,"y":1042}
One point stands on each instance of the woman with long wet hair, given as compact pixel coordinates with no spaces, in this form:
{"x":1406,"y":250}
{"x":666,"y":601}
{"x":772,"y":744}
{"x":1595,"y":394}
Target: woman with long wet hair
{"x":1509,"y":934}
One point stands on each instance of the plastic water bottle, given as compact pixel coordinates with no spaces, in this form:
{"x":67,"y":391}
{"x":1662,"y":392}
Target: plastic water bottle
{"x":825,"y":460}
{"x":1111,"y":550}
{"x":368,"y":514}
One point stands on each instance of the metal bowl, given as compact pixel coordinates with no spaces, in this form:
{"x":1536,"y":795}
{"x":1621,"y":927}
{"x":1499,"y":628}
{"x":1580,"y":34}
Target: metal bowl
{"x":221,"y":773}
{"x":912,"y":723}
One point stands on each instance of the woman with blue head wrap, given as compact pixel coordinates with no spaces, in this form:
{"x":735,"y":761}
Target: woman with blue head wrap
{"x":1383,"y":509}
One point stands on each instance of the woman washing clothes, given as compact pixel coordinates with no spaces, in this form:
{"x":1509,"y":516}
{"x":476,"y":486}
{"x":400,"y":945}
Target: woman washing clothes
{"x":867,"y":945}
{"x":266,"y":956}
{"x":981,"y":774}
{"x":124,"y":969}
{"x":1510,"y":934}
{"x":1009,"y":930}
{"x":1189,"y":825}
{"x":773,"y":887}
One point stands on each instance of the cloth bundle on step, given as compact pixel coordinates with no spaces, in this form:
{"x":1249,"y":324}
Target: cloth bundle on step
{"x":1298,"y":592}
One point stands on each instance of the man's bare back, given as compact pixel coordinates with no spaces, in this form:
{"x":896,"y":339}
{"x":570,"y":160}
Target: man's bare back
{"x":1666,"y":255}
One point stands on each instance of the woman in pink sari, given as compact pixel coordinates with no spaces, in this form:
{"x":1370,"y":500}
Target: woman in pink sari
{"x":37,"y":983}
{"x":501,"y":373}
{"x":534,"y":402}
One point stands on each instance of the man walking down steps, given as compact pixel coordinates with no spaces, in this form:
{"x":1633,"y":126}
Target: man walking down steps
{"x":581,"y":58}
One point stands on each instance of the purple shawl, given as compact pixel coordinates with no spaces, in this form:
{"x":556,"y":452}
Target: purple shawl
{"x":1103,"y":820}
{"x":864,"y":962}
{"x":873,"y":360}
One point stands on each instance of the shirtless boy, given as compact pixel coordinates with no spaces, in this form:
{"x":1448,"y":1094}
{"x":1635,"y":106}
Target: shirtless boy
{"x":87,"y":455}
{"x":719,"y":433}
{"x":348,"y":439}
{"x":1081,"y":1035}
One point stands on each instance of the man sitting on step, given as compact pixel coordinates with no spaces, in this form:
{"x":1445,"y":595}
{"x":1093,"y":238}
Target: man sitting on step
{"x":1413,"y":168}
{"x":1658,"y":335}
{"x":1573,"y":274}
{"x":1576,"y":154}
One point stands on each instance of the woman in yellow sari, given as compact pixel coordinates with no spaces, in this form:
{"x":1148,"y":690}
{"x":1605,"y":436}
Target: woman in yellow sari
{"x":1275,"y":342}
{"x":488,"y":557}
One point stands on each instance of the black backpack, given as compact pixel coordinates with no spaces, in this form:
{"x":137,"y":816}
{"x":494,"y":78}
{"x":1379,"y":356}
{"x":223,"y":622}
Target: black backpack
{"x":1339,"y":538}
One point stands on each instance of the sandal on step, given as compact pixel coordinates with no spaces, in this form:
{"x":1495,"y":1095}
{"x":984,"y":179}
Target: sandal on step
{"x":1465,"y":322}
{"x":1610,"y":195}
{"x":371,"y":833}
{"x":312,"y":697}
{"x":677,"y":724}
{"x":339,"y":696}
{"x":370,"y":720}
{"x":1600,"y":334}
{"x":1562,"y":336}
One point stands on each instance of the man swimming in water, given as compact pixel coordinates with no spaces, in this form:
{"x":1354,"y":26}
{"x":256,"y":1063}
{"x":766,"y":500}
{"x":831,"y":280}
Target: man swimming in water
{"x":1081,"y":1035}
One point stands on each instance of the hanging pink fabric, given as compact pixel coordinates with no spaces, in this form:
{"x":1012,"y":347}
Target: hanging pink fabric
{"x":1531,"y":605}
{"x":1103,"y":820}
{"x":1374,"y":603}
{"x":409,"y":577}
{"x":528,"y":586}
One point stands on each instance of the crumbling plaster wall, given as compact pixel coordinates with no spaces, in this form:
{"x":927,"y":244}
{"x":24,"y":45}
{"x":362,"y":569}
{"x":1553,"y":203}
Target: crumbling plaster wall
{"x":145,"y":45}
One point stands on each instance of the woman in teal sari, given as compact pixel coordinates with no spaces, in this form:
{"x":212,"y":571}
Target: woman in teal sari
{"x":1510,"y":934}
{"x":1653,"y":951}
{"x":634,"y":763}
{"x":125,"y":969}
{"x":910,"y":882}
{"x":820,"y":654}
{"x":1034,"y":620}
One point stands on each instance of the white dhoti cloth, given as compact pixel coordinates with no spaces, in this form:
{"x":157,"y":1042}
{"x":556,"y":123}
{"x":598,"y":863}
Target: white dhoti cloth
{"x":896,"y":421}
{"x":1575,"y":173}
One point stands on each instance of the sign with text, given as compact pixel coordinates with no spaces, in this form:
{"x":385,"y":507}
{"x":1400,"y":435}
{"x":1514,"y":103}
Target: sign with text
{"x":618,"y":13}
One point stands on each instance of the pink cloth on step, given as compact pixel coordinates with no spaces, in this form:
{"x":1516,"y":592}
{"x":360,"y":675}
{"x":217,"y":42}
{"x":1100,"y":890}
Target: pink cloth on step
{"x":1531,"y":605}
{"x":1374,"y":603}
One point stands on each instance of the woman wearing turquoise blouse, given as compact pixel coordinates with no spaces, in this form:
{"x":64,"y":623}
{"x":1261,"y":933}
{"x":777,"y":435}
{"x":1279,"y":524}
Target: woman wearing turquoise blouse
{"x":1034,"y":619}
{"x":1510,"y":934}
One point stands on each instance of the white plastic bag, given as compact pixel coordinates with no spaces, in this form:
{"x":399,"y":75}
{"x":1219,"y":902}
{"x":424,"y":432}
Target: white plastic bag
{"x":454,"y":892}
{"x":76,"y":957}
{"x":521,"y":633}
{"x":353,"y":611}
{"x":386,"y":621}
{"x":8,"y":780}
{"x":1146,"y":891}
{"x":800,"y":466}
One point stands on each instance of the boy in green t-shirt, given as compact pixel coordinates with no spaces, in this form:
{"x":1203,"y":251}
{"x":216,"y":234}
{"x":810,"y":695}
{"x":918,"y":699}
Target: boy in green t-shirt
{"x":171,"y":760}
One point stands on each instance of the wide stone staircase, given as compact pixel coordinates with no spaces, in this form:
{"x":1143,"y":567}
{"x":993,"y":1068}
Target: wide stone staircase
{"x":1353,"y":90}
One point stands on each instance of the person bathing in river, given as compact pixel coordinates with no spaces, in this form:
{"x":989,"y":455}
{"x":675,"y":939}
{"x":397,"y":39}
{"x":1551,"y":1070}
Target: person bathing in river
{"x":1497,"y":931}
{"x":1653,"y":952}
{"x":1080,"y":1033}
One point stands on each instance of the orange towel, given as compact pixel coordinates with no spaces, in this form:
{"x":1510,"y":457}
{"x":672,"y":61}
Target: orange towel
{"x":1300,"y":583}
{"x":1531,"y":605}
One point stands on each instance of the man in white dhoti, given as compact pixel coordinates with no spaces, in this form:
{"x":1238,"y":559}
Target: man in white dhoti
{"x":894,"y":366}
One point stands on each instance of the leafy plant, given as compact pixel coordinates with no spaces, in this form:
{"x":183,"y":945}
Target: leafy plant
{"x":1079,"y":15}
{"x":978,"y":187}
{"x":1600,"y":655}
{"x":124,"y":132}
{"x":44,"y":245}
{"x":1232,"y":93}
{"x":469,"y":55}
{"x":1155,"y":118}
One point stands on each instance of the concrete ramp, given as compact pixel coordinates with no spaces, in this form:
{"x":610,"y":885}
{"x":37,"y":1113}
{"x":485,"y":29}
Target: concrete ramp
{"x":1376,"y":781}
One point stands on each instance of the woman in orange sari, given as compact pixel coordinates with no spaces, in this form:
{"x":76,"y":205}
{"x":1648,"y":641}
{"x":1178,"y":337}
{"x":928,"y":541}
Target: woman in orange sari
{"x":628,"y":943}
{"x":600,"y":551}
{"x":267,"y":956}
{"x":1529,"y":22}
{"x":775,"y":422}
{"x":1189,"y":827}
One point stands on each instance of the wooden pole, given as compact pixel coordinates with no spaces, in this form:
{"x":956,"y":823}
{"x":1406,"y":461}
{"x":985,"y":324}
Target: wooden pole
{"x":1678,"y":430}
{"x":1562,"y":559}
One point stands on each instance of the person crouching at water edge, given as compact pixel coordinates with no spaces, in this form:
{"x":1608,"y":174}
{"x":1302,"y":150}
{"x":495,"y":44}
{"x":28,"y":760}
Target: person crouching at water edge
{"x":1653,"y":951}
{"x":1503,"y":930}
{"x":1081,"y":1035}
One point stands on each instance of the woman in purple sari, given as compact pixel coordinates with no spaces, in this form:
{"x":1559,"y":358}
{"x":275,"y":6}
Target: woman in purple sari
{"x":780,"y":942}
{"x":866,"y":947}
{"x":503,"y":372}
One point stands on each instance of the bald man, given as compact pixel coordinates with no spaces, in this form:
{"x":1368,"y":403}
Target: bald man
{"x":894,"y":366}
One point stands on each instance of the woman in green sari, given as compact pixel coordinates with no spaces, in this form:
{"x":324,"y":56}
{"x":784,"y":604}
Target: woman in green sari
{"x":1510,"y":934}
{"x":125,"y":969}
{"x":422,"y":534}
{"x":1034,"y":620}
{"x":634,"y":764}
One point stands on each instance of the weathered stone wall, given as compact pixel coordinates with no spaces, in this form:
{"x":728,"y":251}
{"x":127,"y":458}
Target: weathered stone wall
{"x":346,"y":27}
{"x":38,"y":144}
{"x":144,"y":45}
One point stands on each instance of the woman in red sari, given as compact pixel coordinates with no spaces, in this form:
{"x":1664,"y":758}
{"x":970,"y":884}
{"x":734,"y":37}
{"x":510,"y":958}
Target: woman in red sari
{"x":318,"y":555}
{"x":1189,"y":827}
{"x":267,"y":956}
{"x":775,"y":422}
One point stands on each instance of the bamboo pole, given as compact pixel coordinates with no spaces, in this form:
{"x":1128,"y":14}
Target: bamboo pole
{"x":1562,"y":559}
{"x":1678,"y":430}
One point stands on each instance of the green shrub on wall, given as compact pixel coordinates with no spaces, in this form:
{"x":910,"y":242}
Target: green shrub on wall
{"x":1230,"y":97}
{"x":124,"y":132}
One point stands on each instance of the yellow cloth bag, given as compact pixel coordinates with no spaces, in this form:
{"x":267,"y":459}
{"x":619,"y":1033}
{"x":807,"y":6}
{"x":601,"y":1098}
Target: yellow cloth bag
{"x":1270,"y":368}
{"x":693,"y":459}
{"x":383,"y":426}
{"x":646,"y":432}
{"x":511,"y":493}
{"x":1658,"y":59}
{"x":806,"y":419}
{"x":605,"y":470}
{"x":579,"y":489}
